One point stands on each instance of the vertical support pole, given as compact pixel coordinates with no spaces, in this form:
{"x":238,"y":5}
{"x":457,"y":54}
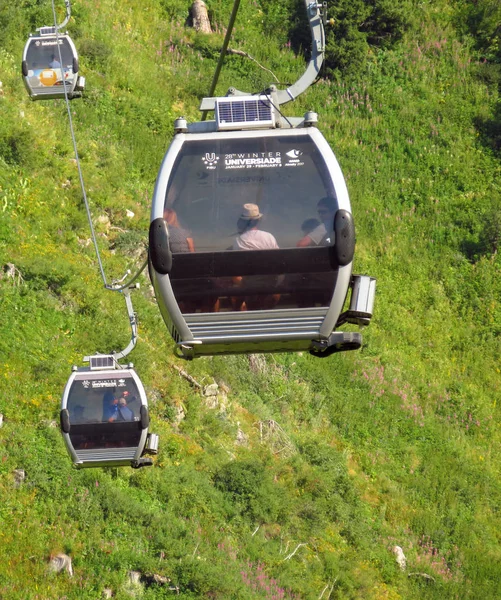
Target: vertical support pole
{"x":223,"y":53}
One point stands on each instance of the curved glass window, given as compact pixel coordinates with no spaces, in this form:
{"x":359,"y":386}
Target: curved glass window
{"x":104,"y":411}
{"x":43,"y":62}
{"x":226,"y":260}
{"x":284,"y":176}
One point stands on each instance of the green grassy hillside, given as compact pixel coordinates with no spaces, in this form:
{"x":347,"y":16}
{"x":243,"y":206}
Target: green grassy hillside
{"x":307,"y":473}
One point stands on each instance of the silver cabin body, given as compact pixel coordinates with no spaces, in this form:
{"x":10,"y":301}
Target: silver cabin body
{"x":99,"y":431}
{"x":44,"y":75}
{"x":220,"y":299}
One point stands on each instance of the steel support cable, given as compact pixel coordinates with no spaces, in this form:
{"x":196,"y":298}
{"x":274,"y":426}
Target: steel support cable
{"x":122,"y":289}
{"x":219,"y":66}
{"x":79,"y":168}
{"x":75,"y":150}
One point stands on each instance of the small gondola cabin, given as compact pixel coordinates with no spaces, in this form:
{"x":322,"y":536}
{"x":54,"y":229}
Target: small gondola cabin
{"x":252,"y":237}
{"x":50,"y":65}
{"x":104,"y":416}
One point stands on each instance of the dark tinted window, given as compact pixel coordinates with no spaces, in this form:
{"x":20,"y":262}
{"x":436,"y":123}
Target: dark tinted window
{"x":102,"y":398}
{"x":105,"y":435}
{"x":284,"y":176}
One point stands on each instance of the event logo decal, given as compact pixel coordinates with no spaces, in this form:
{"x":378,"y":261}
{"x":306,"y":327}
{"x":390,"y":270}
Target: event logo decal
{"x":52,"y":43}
{"x":293,"y":158}
{"x":104,"y":383}
{"x":253,"y":160}
{"x":210,"y":160}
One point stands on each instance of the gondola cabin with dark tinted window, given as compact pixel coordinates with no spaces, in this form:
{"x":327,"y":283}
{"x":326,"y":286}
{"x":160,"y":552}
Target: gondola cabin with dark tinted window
{"x":50,"y":65}
{"x":226,"y":282}
{"x":104,"y":416}
{"x":252,"y":237}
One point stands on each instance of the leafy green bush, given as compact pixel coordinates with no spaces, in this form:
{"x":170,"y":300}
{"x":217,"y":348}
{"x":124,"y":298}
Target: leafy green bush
{"x":251,"y":490}
{"x":359,"y":26}
{"x":95,"y":53}
{"x":176,"y":10}
{"x":482,"y":20}
{"x":17,"y":146}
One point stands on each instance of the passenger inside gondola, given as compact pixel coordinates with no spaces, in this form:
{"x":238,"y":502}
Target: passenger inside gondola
{"x":315,"y":288}
{"x":111,"y":410}
{"x":78,"y":414}
{"x":104,"y":421}
{"x":54,"y":63}
{"x":181,"y":242}
{"x":122,"y":412}
{"x":309,"y":225}
{"x":322,"y":234}
{"x":252,"y":237}
{"x":180,"y":239}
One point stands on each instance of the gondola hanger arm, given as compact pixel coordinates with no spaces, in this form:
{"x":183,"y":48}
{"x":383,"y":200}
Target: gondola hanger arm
{"x":317,"y":15}
{"x":126,"y":289}
{"x":68,"y":15}
{"x":66,"y":19}
{"x":133,"y":326}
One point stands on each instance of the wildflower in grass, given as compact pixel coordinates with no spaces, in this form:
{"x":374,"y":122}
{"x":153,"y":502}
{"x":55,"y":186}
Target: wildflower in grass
{"x":256,"y":579}
{"x":443,"y":564}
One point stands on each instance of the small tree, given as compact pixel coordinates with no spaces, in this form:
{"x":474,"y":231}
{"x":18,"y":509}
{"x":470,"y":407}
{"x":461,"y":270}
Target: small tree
{"x":359,"y":25}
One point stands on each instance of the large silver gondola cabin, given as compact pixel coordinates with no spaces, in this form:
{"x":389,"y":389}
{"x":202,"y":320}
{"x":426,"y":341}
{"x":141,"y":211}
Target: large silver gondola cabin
{"x":50,"y":64}
{"x":252,"y":237}
{"x":104,"y":416}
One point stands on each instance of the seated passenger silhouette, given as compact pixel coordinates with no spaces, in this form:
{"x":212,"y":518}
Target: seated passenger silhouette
{"x":323,"y":233}
{"x":54,"y":63}
{"x":251,"y":237}
{"x":124,"y":412}
{"x":189,"y":296}
{"x":180,"y":239}
{"x":77,"y":415}
{"x":111,"y":409}
{"x":309,"y":225}
{"x":316,"y":288}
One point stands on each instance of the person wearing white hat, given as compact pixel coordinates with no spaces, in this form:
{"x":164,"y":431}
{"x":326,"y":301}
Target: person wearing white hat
{"x":250,"y":236}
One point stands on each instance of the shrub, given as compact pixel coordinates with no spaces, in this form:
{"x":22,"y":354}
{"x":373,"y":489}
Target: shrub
{"x":482,"y":20}
{"x":176,"y":10}
{"x":96,"y":53}
{"x":16,"y":145}
{"x":359,"y":25}
{"x":250,"y":488}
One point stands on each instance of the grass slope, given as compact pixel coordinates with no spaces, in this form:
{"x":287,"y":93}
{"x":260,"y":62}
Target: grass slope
{"x":397,"y":444}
